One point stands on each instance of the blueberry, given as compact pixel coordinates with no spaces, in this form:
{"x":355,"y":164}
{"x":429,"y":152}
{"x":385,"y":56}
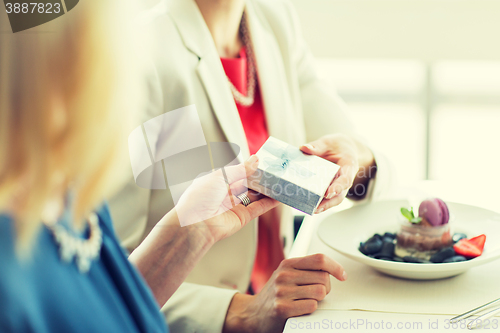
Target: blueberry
{"x":458,"y":236}
{"x":442,"y":255}
{"x":372,"y":246}
{"x":389,"y":235}
{"x":362,"y":248}
{"x":379,"y":257}
{"x":386,"y":252}
{"x":413,"y":260}
{"x":455,"y":259}
{"x":387,"y":239}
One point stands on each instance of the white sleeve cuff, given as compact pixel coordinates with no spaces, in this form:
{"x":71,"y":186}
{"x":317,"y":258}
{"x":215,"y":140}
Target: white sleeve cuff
{"x":385,"y":179}
{"x":197,"y":308}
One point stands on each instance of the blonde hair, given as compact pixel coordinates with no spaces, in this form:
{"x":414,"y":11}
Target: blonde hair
{"x":67,"y":90}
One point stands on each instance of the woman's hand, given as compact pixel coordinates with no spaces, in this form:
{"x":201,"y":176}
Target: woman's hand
{"x":171,"y":250}
{"x":211,"y":200}
{"x":294,"y":289}
{"x":357,"y":166}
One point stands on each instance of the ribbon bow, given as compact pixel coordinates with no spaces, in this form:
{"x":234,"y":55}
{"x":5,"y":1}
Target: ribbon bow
{"x":286,"y":158}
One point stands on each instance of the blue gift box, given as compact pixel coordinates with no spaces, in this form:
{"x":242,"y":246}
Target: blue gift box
{"x":288,"y":175}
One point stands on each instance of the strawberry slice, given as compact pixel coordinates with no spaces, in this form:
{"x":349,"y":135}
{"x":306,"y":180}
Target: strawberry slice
{"x":479,"y":241}
{"x":467,"y":249}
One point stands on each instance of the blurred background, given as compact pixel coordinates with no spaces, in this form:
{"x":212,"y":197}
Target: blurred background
{"x":422,"y":79}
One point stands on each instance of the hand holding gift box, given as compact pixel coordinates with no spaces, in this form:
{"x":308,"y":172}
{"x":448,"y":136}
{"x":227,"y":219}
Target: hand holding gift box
{"x":288,"y":175}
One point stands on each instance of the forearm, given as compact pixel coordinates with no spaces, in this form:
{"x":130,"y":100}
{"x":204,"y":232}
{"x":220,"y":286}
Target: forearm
{"x":168,"y":254}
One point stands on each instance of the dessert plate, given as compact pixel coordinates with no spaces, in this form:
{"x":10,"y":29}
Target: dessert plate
{"x":344,"y":231}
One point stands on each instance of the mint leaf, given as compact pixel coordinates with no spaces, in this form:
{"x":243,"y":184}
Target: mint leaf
{"x":416,"y":220}
{"x":406,"y":213}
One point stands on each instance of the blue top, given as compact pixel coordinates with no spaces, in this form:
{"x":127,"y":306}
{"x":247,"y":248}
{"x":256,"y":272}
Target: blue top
{"x":45,"y":294}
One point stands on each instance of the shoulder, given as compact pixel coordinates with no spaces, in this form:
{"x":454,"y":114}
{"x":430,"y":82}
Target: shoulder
{"x":173,"y":62}
{"x":162,"y":38}
{"x":160,"y":28}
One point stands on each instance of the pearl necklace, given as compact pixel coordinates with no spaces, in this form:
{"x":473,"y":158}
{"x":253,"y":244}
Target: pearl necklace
{"x":239,"y":97}
{"x":84,"y":250}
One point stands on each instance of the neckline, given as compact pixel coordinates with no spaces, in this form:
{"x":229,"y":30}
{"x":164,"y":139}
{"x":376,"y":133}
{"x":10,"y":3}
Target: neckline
{"x":242,"y":56}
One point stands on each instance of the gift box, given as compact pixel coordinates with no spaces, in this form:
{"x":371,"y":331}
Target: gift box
{"x":288,"y":175}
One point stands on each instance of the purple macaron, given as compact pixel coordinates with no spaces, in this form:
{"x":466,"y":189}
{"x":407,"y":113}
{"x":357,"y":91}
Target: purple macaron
{"x":435,"y":211}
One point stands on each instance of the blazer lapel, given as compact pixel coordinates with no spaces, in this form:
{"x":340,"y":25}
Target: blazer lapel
{"x":272,"y":78}
{"x":197,"y":39}
{"x":212,"y":76}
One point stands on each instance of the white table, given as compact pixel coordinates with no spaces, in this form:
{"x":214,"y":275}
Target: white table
{"x":350,"y":304}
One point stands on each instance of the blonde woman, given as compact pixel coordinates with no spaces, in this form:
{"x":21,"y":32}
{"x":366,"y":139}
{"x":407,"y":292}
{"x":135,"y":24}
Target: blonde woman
{"x":65,"y":100}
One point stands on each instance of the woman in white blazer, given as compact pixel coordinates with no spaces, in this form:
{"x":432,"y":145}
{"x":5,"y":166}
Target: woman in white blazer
{"x":189,"y":39}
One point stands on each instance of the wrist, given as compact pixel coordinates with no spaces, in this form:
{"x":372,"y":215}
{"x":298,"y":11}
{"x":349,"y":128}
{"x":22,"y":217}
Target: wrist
{"x":200,"y":234}
{"x":366,"y":158}
{"x":366,"y":172}
{"x":196,"y":235}
{"x":237,"y":317}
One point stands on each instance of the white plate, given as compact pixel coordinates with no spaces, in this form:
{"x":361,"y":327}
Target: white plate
{"x":344,"y":231}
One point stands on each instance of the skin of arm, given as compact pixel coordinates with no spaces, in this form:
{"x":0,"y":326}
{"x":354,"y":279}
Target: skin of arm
{"x":171,"y":251}
{"x":168,"y":254}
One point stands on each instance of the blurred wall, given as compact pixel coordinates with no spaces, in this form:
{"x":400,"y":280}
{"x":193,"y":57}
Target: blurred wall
{"x":423,"y":29}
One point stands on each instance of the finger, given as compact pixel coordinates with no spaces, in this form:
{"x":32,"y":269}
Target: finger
{"x":314,"y":148}
{"x":339,"y":185}
{"x":236,"y":189}
{"x":329,"y":203}
{"x":252,"y":195}
{"x":343,"y":180}
{"x":255,"y":209}
{"x":295,"y":277}
{"x":241,"y":171}
{"x":305,"y":278}
{"x":312,"y":291}
{"x":302,"y":307}
{"x":319,"y":262}
{"x":239,"y":187}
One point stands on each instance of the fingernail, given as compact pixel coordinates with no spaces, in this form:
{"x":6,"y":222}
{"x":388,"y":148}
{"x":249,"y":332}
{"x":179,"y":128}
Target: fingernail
{"x":309,"y":146}
{"x":344,"y":276}
{"x":253,"y":159}
{"x":319,"y":210}
{"x":331,"y":195}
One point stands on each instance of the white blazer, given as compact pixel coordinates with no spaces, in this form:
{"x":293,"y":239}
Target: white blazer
{"x":299,"y":108}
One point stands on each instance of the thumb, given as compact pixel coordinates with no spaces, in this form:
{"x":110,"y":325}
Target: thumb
{"x":242,"y":171}
{"x":314,"y":148}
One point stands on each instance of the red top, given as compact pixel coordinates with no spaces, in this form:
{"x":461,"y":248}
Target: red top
{"x":252,"y":117}
{"x":270,"y":249}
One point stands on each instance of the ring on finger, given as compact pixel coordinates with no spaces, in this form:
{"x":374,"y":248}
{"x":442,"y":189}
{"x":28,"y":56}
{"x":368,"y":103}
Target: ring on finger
{"x":245,"y":200}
